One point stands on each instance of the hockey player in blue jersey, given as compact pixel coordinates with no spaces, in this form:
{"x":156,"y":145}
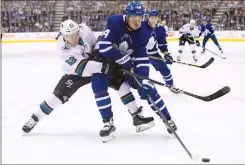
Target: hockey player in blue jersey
{"x":208,"y":30}
{"x":124,"y":42}
{"x":157,"y":40}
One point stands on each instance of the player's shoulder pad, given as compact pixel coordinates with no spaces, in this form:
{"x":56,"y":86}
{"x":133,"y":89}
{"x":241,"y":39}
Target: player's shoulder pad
{"x":144,"y":23}
{"x":209,"y":25}
{"x":160,"y":27}
{"x":83,"y":26}
{"x":116,"y":20}
{"x":142,"y":38}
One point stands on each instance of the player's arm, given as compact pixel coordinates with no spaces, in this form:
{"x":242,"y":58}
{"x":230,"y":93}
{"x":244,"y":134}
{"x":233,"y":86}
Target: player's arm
{"x":142,"y":61}
{"x":210,"y":29}
{"x":87,"y":67}
{"x":78,"y":65}
{"x":182,"y":30}
{"x":202,"y":30}
{"x":106,"y":48}
{"x":91,"y":39}
{"x":163,"y":46}
{"x":162,"y":41}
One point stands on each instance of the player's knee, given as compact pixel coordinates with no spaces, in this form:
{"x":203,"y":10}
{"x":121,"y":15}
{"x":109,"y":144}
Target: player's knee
{"x":64,"y":97}
{"x":100,"y":82}
{"x":117,"y":81}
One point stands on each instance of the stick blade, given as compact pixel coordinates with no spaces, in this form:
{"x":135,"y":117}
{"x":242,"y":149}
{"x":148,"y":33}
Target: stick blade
{"x":210,"y":61}
{"x":217,"y":94}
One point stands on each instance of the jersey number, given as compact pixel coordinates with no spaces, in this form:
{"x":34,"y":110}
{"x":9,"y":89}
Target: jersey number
{"x":71,"y":60}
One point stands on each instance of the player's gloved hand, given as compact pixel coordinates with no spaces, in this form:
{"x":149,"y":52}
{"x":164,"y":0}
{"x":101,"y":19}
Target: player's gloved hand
{"x":197,"y":43}
{"x":185,"y":37}
{"x":109,"y":67}
{"x":168,"y":58}
{"x":147,"y":88}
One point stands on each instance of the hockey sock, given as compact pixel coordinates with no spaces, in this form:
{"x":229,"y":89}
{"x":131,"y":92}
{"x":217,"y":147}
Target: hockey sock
{"x":127,"y":98}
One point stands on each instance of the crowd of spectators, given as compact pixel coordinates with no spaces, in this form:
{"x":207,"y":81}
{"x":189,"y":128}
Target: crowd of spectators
{"x":175,"y":13}
{"x":38,"y":16}
{"x":234,"y":16}
{"x":27,"y":16}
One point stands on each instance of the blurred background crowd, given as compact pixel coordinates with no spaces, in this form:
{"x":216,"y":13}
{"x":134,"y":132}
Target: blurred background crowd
{"x":39,"y":16}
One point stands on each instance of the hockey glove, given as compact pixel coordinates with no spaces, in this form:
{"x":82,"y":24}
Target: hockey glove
{"x":110,"y":67}
{"x":168,"y":58}
{"x":197,"y":43}
{"x":147,"y":88}
{"x":185,"y":37}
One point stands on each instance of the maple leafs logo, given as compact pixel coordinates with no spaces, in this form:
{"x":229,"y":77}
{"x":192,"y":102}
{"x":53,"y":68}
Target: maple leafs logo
{"x":151,"y":43}
{"x":123,"y":48}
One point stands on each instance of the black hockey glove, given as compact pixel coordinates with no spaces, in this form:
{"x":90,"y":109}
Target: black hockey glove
{"x":185,"y":37}
{"x":109,"y":67}
{"x":168,"y":58}
{"x":197,"y":43}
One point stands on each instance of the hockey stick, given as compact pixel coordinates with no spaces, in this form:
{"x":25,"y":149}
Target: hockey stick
{"x":213,"y":53}
{"x":167,"y":124}
{"x":207,"y":49}
{"x":210,"y":61}
{"x":223,"y":91}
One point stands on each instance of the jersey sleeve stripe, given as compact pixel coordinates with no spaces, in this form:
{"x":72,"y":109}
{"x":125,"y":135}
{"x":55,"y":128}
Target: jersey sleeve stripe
{"x":106,"y":49}
{"x":154,"y":52}
{"x":80,"y":67}
{"x":141,"y":65}
{"x":141,"y":58}
{"x":104,"y":42}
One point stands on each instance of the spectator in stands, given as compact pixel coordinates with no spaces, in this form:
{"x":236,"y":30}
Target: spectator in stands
{"x":34,"y":16}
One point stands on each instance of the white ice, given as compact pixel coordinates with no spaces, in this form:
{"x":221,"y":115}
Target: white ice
{"x":70,"y":134}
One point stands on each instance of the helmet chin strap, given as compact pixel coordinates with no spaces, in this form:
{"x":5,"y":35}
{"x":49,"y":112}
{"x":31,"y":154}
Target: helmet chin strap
{"x":129,"y":27}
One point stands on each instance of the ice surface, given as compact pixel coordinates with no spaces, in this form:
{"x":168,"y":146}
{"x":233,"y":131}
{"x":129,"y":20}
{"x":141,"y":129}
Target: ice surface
{"x":71,"y":133}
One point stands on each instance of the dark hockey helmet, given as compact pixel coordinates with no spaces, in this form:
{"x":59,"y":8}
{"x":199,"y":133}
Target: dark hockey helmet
{"x":154,"y":12}
{"x":135,"y":8}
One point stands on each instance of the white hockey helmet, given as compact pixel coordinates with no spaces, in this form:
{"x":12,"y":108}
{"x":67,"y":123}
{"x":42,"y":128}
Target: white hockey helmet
{"x":69,"y":29}
{"x":192,"y":23}
{"x":163,"y":23}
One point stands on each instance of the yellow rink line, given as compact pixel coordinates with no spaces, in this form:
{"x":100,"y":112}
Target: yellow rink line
{"x":168,"y":39}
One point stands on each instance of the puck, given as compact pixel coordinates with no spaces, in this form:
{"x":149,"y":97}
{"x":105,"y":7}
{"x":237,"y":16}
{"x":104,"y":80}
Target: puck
{"x":205,"y":159}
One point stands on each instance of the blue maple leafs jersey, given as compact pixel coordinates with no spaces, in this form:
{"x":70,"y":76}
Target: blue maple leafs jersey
{"x":207,"y":29}
{"x":124,"y":46}
{"x":156,"y":36}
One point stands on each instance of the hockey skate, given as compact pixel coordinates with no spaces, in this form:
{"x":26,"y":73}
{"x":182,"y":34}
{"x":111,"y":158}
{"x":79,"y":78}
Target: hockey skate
{"x":221,"y":50}
{"x":203,"y":51}
{"x":140,"y":122}
{"x":175,"y":90}
{"x":195,"y":58}
{"x":108,"y":131}
{"x":30,"y":124}
{"x":173,"y":125}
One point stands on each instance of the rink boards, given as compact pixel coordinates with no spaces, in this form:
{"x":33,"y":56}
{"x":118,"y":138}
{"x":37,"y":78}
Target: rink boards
{"x":224,"y":36}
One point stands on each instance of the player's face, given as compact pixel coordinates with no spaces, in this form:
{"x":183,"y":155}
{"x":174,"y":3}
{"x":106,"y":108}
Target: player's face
{"x":73,"y":39}
{"x":153,"y":20}
{"x":135,"y":22}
